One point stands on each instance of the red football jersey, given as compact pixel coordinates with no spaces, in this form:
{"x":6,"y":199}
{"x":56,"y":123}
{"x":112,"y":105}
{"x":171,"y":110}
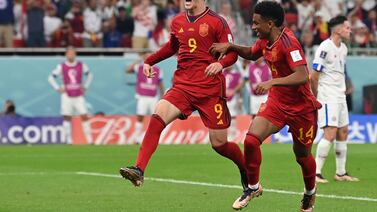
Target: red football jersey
{"x":282,"y":57}
{"x":192,"y":40}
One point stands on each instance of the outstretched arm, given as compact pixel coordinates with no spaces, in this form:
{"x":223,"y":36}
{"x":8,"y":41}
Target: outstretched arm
{"x":220,"y":49}
{"x":298,"y":77}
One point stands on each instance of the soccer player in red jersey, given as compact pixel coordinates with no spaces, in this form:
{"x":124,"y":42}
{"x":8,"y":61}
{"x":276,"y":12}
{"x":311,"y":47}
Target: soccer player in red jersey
{"x":290,"y":100}
{"x":198,"y":84}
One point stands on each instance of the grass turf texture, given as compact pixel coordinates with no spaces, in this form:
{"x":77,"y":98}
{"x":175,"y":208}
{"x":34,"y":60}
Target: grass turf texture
{"x":44,"y":178}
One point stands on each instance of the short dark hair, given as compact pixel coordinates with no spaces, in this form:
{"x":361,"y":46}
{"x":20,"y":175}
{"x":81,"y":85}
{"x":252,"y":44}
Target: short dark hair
{"x":340,"y":19}
{"x":270,"y":10}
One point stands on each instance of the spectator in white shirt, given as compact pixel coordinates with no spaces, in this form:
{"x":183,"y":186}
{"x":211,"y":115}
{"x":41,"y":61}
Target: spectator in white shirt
{"x":51,"y":22}
{"x":92,"y":25}
{"x":145,"y":16}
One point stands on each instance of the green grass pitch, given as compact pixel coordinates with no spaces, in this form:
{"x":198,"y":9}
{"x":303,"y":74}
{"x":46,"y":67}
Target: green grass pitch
{"x":85,"y":178}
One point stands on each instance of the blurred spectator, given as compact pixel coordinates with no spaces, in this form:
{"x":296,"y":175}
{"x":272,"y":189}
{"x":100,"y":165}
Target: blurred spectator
{"x":225,"y":12}
{"x":63,"y":6}
{"x":111,"y":37}
{"x":6,"y":23}
{"x":291,"y":14}
{"x":320,"y":28}
{"x":172,"y":9}
{"x":356,"y":8}
{"x":76,"y":20}
{"x":246,"y":7}
{"x":371,"y":21}
{"x":125,"y":25}
{"x":332,"y":8}
{"x":305,"y":15}
{"x":9,"y":109}
{"x":64,"y":36}
{"x":107,"y":10}
{"x":161,"y":33}
{"x":20,"y":28}
{"x":51,"y":23}
{"x":92,"y":25}
{"x":35,"y":15}
{"x":145,"y":16}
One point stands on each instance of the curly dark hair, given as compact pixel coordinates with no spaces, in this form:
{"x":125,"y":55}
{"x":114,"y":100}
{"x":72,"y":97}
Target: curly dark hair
{"x":270,"y":10}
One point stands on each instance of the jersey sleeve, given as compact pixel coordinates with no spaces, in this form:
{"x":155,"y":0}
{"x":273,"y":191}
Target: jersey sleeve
{"x":85,"y":68}
{"x":320,"y":59}
{"x":256,"y":49}
{"x":224,"y":36}
{"x":295,"y":55}
{"x":57,"y":71}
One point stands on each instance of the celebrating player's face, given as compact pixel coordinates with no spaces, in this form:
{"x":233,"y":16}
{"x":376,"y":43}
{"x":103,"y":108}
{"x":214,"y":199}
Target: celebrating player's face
{"x":191,"y":4}
{"x":260,"y":26}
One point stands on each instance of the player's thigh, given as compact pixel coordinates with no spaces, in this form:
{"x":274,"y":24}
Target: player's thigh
{"x":218,"y":137}
{"x":214,"y":112}
{"x":343,"y":115}
{"x":175,"y":101}
{"x":80,"y":105}
{"x":329,"y":115}
{"x":262,"y":127}
{"x":66,"y":105}
{"x":303,"y":128}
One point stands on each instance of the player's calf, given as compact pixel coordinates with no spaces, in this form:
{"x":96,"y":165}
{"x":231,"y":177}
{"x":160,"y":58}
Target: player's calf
{"x":133,"y":174}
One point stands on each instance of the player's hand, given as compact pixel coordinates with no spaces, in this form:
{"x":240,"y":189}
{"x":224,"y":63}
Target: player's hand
{"x":213,"y":69}
{"x":148,"y":71}
{"x":218,"y":50}
{"x":61,"y":90}
{"x":263,"y":87}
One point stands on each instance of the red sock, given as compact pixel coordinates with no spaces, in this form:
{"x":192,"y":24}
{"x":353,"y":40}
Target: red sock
{"x":308,"y":170}
{"x":253,"y":157}
{"x":233,"y":152}
{"x":150,"y":141}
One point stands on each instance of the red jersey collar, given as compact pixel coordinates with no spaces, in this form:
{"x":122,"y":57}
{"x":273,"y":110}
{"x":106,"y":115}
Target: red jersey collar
{"x":277,"y":40}
{"x":198,"y":16}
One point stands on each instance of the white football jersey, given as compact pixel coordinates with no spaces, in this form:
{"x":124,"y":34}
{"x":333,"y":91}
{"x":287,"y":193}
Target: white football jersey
{"x":330,"y":61}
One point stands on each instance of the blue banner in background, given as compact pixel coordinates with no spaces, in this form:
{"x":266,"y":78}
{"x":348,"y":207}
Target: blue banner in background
{"x":362,"y":129}
{"x":22,"y":130}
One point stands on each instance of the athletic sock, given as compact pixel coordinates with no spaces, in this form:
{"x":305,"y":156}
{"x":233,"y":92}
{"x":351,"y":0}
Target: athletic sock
{"x":67,"y":131}
{"x":253,"y":158}
{"x":308,"y":171}
{"x":233,"y":152}
{"x":87,"y":132}
{"x":340,"y":157}
{"x":150,"y":141}
{"x":321,"y":154}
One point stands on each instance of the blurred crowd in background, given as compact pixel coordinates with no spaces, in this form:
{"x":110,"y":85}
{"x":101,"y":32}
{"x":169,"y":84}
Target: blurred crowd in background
{"x":145,"y":23}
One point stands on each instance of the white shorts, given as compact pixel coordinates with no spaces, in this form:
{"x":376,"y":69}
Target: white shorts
{"x":333,"y":114}
{"x":234,"y":107}
{"x":145,"y":105}
{"x":73,"y":105}
{"x":255,"y":102}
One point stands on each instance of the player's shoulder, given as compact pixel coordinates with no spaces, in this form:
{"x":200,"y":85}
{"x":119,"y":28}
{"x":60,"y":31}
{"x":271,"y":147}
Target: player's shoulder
{"x":216,"y":17}
{"x":325,"y":44}
{"x":343,"y":46}
{"x":288,"y":39}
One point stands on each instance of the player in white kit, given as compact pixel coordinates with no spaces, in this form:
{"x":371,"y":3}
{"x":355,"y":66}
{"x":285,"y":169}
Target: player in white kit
{"x":328,"y":84}
{"x":147,"y":93}
{"x":72,"y":91}
{"x":233,"y":78}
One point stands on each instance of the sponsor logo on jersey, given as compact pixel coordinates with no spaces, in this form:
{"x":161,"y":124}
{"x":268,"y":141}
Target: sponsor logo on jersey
{"x":323,"y":54}
{"x":181,"y":30}
{"x":203,"y":29}
{"x":220,"y":122}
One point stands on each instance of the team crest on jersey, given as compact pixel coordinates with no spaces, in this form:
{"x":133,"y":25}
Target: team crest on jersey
{"x":323,"y":54}
{"x":203,"y":29}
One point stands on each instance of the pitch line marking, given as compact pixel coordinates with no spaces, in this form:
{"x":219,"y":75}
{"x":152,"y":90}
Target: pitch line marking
{"x":330,"y":196}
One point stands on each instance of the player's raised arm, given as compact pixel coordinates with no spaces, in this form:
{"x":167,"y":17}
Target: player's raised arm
{"x":220,"y":49}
